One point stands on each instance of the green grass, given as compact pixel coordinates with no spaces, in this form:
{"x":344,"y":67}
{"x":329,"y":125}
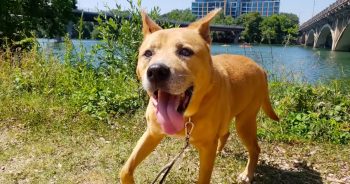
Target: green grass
{"x":44,"y":142}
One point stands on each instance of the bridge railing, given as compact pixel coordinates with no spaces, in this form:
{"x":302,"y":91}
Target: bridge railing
{"x":333,"y":8}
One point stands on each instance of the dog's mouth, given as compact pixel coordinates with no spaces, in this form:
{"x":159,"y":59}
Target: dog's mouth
{"x":170,"y":109}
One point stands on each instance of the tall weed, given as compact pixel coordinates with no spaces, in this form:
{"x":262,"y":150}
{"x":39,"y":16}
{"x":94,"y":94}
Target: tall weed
{"x":105,"y":90}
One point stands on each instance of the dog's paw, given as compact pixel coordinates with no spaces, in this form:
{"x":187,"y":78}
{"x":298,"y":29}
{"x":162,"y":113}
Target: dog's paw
{"x":126,"y":178}
{"x":244,"y":178}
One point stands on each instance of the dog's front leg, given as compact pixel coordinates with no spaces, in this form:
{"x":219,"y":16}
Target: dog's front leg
{"x":144,"y":147}
{"x":207,"y":154}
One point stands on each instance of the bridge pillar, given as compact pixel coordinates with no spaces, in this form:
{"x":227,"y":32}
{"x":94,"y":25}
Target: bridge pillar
{"x":237,"y":35}
{"x":301,"y":39}
{"x":316,"y":37}
{"x":310,"y":38}
{"x":306,"y":37}
{"x":70,"y":28}
{"x":339,"y":28}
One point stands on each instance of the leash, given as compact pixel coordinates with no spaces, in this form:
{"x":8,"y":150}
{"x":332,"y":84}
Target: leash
{"x":166,"y":169}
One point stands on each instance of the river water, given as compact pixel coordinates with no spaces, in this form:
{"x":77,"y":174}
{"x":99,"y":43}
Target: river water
{"x":289,"y":62}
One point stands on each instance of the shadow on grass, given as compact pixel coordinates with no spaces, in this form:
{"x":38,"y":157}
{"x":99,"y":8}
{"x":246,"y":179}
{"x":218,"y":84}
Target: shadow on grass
{"x":273,"y":175}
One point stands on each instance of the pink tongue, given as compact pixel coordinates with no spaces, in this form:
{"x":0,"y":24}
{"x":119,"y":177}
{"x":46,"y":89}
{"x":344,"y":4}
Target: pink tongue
{"x":170,"y":120}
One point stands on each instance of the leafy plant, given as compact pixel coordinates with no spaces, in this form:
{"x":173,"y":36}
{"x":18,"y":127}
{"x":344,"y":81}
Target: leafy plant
{"x":320,"y":113}
{"x":121,"y":37}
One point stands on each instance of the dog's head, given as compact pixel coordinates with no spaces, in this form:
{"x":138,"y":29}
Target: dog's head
{"x":175,"y":68}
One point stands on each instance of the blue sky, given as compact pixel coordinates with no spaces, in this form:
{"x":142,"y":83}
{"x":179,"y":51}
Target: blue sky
{"x":302,"y":8}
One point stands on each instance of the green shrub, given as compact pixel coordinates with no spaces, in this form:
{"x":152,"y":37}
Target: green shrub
{"x":105,"y":89}
{"x":320,"y":113}
{"x":120,"y":41}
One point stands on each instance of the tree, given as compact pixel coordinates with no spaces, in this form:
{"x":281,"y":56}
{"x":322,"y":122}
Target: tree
{"x":180,"y":15}
{"x":294,"y":18}
{"x":223,"y":19}
{"x":289,"y":29}
{"x":279,"y":29}
{"x":21,"y":17}
{"x":269,"y":28}
{"x":251,"y":23}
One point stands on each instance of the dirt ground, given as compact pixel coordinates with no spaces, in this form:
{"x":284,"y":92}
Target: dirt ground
{"x":95,"y":155}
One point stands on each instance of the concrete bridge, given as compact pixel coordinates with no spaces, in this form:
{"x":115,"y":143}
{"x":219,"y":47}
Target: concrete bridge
{"x":90,"y":17}
{"x":328,"y":29}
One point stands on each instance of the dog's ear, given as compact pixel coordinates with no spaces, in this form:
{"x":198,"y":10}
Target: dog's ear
{"x":202,"y":25}
{"x":148,"y":25}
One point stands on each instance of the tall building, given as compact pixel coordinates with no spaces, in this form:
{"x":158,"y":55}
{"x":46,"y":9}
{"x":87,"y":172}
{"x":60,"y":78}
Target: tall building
{"x":236,"y":8}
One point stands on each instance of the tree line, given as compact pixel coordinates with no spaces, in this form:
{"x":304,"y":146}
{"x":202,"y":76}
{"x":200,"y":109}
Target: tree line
{"x":276,"y":29}
{"x":21,"y":19}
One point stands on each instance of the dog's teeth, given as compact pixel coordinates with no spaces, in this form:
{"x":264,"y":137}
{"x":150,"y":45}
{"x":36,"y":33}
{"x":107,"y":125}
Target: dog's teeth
{"x":182,"y":95}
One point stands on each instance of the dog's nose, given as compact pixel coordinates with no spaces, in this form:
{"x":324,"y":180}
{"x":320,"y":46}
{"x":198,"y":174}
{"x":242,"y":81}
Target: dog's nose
{"x":158,"y":72}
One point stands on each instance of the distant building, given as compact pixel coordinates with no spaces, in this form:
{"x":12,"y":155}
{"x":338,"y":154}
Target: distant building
{"x":236,"y":8}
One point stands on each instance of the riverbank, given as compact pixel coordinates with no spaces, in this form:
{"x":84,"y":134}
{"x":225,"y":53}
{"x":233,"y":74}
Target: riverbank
{"x":73,"y":123}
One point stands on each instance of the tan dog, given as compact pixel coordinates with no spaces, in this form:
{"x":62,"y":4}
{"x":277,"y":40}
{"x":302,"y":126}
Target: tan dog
{"x":183,"y":80}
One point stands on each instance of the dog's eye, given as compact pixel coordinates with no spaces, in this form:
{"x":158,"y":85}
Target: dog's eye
{"x":185,"y":52}
{"x":148,"y":53}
